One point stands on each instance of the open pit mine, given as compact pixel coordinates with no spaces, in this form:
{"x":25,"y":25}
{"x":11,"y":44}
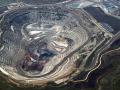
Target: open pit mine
{"x":40,"y":44}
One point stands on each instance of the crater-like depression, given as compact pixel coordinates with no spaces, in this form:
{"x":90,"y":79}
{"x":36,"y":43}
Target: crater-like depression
{"x":36,"y":42}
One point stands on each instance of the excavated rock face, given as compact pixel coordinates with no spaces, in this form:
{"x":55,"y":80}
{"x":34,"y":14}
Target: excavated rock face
{"x":38,"y":44}
{"x":47,"y":43}
{"x":41,"y":41}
